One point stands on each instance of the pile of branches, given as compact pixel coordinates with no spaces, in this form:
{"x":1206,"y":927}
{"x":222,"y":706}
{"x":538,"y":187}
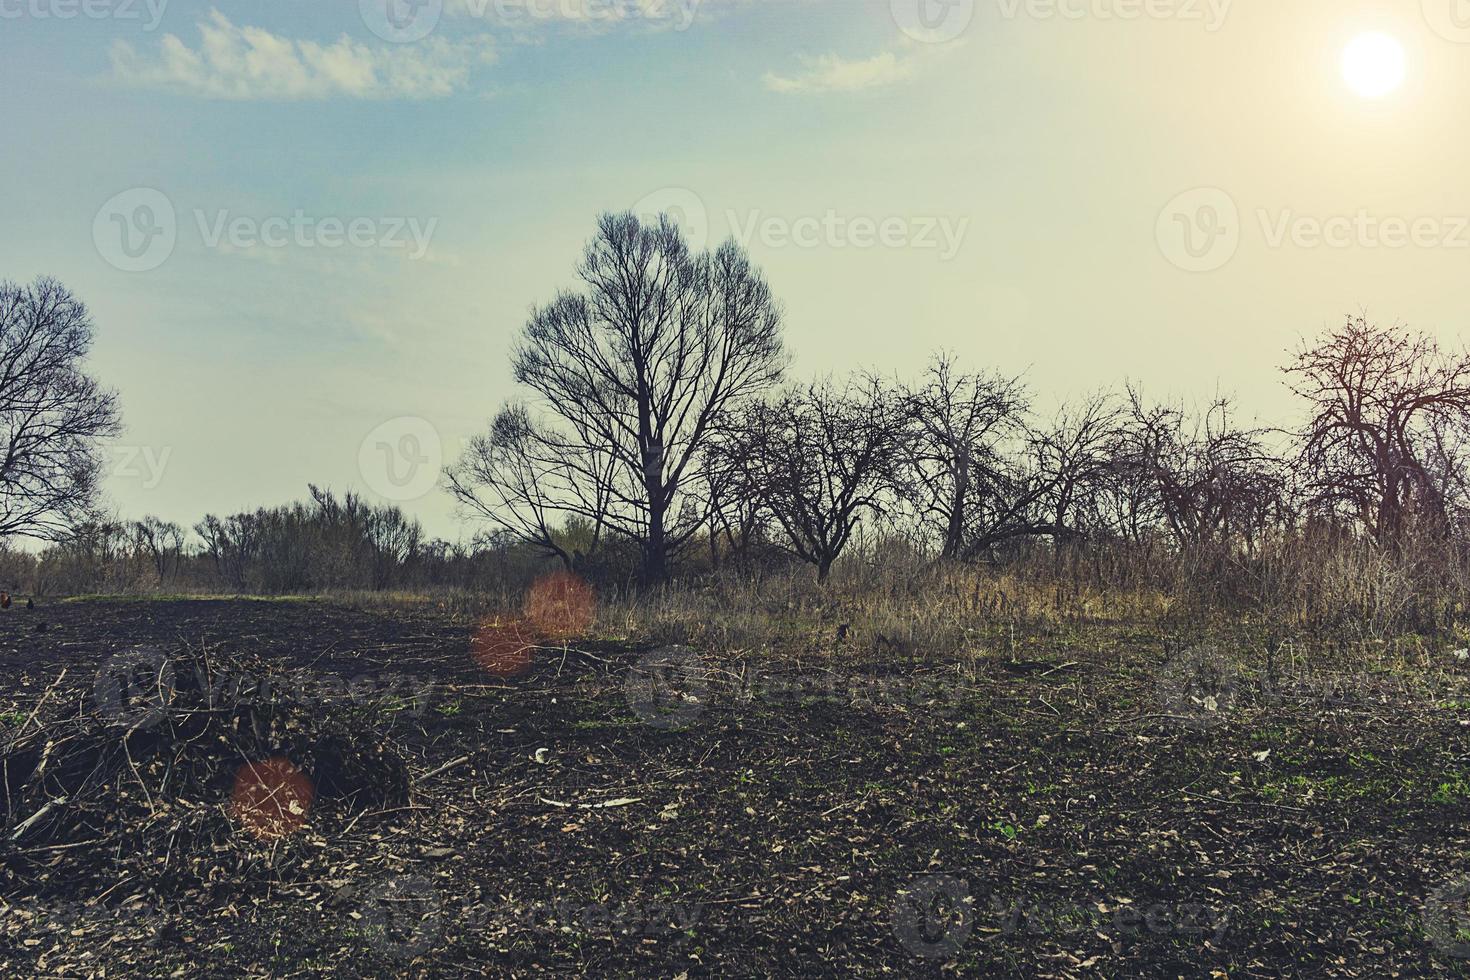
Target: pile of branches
{"x":182,"y":771}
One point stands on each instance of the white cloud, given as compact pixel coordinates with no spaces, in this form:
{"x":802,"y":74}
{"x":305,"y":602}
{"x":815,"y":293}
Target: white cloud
{"x":832,"y":73}
{"x":596,"y":15}
{"x":248,"y":63}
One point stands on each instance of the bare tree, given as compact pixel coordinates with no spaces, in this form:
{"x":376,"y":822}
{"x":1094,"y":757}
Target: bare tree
{"x":1206,"y":479}
{"x":162,"y":541}
{"x":820,"y":459}
{"x":528,"y":481}
{"x":52,"y":414}
{"x":393,"y":542}
{"x":1071,"y":459}
{"x":955,"y":455}
{"x":631,"y":375}
{"x":1386,"y":406}
{"x":231,"y":544}
{"x":737,"y":511}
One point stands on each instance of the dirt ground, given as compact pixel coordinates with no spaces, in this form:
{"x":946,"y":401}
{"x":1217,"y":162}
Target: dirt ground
{"x":1097,"y":801}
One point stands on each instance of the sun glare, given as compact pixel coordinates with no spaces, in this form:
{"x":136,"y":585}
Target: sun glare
{"x":1373,"y":65}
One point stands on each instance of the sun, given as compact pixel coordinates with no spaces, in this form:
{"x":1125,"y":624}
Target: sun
{"x":1373,"y":65}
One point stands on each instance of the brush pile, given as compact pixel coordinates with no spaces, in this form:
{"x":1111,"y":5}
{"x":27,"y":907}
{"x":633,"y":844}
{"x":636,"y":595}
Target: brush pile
{"x":181,"y":772}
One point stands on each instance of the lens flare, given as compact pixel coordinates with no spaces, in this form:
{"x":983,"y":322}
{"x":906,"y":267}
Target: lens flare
{"x":561,"y":606}
{"x":503,"y":649}
{"x":272,"y":798}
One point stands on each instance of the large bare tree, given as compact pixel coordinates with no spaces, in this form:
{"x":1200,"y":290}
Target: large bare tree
{"x":52,"y":413}
{"x":1388,"y":407}
{"x":631,"y":373}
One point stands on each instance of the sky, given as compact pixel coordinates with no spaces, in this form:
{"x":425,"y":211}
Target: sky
{"x":309,"y":232}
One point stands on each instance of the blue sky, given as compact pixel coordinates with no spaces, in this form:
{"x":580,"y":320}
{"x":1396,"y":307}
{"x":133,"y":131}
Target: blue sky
{"x":1023,"y":158}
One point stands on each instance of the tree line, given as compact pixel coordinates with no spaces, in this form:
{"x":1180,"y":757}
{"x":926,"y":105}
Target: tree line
{"x":661,"y":433}
{"x":660,"y":421}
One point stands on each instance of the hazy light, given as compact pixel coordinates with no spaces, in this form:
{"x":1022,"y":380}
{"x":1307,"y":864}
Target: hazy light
{"x":1373,"y":65}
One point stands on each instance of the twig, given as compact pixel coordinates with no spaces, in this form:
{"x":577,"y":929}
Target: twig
{"x":26,"y":824}
{"x":36,"y":710}
{"x":448,"y":765}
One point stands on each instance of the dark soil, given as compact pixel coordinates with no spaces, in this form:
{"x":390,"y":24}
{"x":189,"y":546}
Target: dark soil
{"x":1104,"y":802}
